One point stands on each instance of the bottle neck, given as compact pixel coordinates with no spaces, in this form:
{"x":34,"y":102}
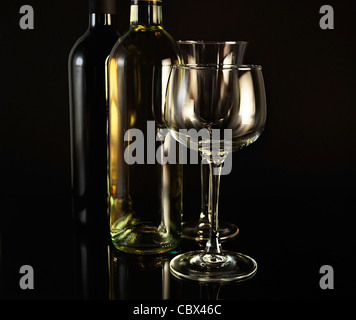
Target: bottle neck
{"x":146,"y":13}
{"x":100,"y":19}
{"x":101,"y":13}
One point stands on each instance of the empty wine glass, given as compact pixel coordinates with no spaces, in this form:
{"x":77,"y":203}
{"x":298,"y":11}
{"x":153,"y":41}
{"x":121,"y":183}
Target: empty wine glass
{"x":215,"y":110}
{"x":209,"y":53}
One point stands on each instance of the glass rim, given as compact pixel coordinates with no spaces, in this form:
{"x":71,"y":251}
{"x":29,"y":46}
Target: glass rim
{"x":211,"y":42}
{"x":241,"y":67}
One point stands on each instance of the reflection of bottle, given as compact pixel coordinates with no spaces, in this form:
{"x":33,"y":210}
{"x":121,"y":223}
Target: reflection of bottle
{"x":145,"y":196}
{"x":140,"y":277}
{"x":88,"y":109}
{"x":91,"y":267}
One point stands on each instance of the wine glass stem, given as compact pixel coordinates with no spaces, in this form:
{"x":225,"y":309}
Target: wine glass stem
{"x":204,"y":219}
{"x":213,"y":245}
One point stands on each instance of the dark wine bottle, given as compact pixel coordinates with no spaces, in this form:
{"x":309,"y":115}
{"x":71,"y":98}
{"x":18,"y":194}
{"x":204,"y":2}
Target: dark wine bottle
{"x":145,"y":196}
{"x":88,"y":111}
{"x":88,"y":116}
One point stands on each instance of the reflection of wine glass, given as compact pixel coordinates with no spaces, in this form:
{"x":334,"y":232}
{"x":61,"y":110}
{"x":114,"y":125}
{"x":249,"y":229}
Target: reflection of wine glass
{"x":216,"y":110}
{"x":210,"y":53}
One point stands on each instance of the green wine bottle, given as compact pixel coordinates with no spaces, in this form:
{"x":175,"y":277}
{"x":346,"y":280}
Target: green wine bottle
{"x":145,"y":197}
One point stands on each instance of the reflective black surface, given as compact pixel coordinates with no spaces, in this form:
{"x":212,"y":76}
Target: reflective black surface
{"x":289,"y":237}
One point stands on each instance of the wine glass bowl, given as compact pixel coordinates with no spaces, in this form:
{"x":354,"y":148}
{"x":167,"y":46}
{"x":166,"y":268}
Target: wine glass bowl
{"x":202,"y":97}
{"x":230,"y":115}
{"x":212,"y":52}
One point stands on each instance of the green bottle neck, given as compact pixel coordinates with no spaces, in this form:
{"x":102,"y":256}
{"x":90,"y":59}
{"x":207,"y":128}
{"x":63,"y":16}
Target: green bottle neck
{"x":146,"y":13}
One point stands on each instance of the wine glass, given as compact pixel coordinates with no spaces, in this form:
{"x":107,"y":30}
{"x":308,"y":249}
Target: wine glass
{"x":216,"y":110}
{"x":209,"y":53}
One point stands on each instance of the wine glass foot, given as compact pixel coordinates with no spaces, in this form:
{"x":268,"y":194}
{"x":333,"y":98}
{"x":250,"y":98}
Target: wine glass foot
{"x":193,"y":231}
{"x":199,"y":266}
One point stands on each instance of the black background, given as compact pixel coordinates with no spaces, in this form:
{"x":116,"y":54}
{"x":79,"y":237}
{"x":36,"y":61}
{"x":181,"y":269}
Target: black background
{"x":291,"y":192}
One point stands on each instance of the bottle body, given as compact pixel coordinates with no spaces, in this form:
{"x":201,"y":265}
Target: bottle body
{"x":88,"y":117}
{"x":145,"y":194}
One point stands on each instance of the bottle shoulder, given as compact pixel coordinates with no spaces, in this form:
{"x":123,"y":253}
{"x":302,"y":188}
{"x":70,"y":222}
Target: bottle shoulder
{"x":153,"y":43}
{"x":94,"y":44}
